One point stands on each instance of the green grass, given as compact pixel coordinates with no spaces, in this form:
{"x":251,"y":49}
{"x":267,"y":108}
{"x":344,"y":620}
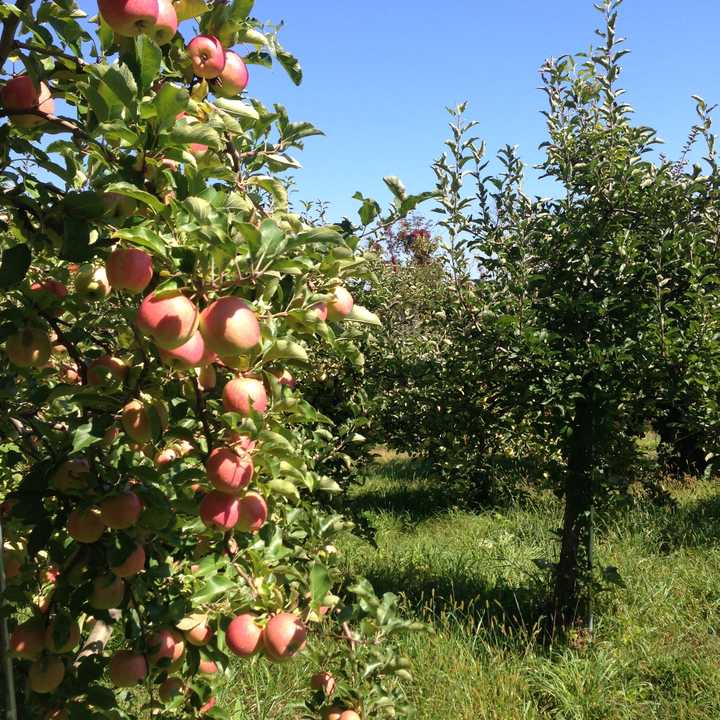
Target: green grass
{"x":471,"y":576}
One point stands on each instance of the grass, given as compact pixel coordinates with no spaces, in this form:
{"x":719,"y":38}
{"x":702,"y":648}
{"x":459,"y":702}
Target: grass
{"x":471,"y":576}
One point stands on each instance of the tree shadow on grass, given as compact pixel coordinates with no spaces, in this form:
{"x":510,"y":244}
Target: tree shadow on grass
{"x":695,"y":524}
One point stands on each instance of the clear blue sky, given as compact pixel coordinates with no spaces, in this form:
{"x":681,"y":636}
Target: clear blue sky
{"x":379,"y":73}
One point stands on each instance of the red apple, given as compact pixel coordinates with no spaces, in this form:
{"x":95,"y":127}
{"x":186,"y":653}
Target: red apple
{"x":121,"y":511}
{"x":48,"y":294}
{"x":240,"y":442}
{"x":209,"y":705}
{"x":86,"y":525}
{"x":349,"y":715}
{"x":143,"y":420}
{"x":234,"y":77}
{"x":200,"y":635}
{"x":332,"y":713}
{"x":165,"y":457}
{"x":170,"y":320}
{"x":132,"y":565}
{"x":252,"y":512}
{"x":46,"y":675}
{"x":127,"y":668}
{"x":319,"y":311}
{"x":207,"y":667}
{"x":73,"y":476}
{"x":108,"y":592}
{"x":228,"y":470}
{"x":341,"y":306}
{"x":284,"y":377}
{"x":166,"y":24}
{"x":129,"y":17}
{"x":165,"y":644}
{"x":21,"y":93}
{"x":98,"y":369}
{"x":323,"y":681}
{"x":194,"y":353}
{"x":207,"y":55}
{"x":71,"y":642}
{"x":230,"y":327}
{"x":28,"y":348}
{"x":220,"y":511}
{"x":284,"y":636}
{"x":27,"y":641}
{"x":171,"y":688}
{"x":129,"y":269}
{"x":243,"y":394}
{"x":91,"y":283}
{"x":243,"y":636}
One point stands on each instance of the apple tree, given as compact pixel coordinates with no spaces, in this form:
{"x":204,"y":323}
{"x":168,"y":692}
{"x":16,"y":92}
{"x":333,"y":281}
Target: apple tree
{"x":165,"y":507}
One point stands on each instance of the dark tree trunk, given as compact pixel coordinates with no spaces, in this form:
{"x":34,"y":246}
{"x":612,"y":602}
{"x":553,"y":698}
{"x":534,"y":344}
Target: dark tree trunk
{"x":571,"y":602}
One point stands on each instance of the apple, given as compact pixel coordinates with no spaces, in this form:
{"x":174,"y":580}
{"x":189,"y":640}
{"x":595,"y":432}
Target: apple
{"x":118,"y":208}
{"x":207,"y":667}
{"x":129,"y":17}
{"x":349,"y":715}
{"x":108,"y":592}
{"x":194,"y":353}
{"x":323,"y":681}
{"x":86,"y":525}
{"x":234,"y":77}
{"x":21,"y":93}
{"x":207,"y":56}
{"x":46,"y":675}
{"x":284,"y":636}
{"x":244,"y":394}
{"x":207,"y":377}
{"x":28,"y":348}
{"x":12,"y":563}
{"x":171,"y":688}
{"x":165,"y":457}
{"x":200,"y":635}
{"x":98,"y":369}
{"x":341,"y":306}
{"x":142,"y":421}
{"x":69,"y":374}
{"x":127,"y":668}
{"x":121,"y":511}
{"x":252,"y":512}
{"x":166,"y":643}
{"x":183,"y":448}
{"x":132,"y":565}
{"x":220,"y":511}
{"x":169,"y":319}
{"x":51,"y":574}
{"x":47,"y":294}
{"x":319,"y":311}
{"x":229,"y":326}
{"x":129,"y":269}
{"x":27,"y":641}
{"x":166,"y":24}
{"x":72,"y":476}
{"x":209,"y":705}
{"x":284,"y":377}
{"x":332,"y":713}
{"x":228,"y":470}
{"x":71,"y":642}
{"x":243,"y":635}
{"x":240,"y":442}
{"x":91,"y":283}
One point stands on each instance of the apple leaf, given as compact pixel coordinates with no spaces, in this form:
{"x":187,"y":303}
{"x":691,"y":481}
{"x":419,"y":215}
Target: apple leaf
{"x":142,"y":236}
{"x":188,"y":9}
{"x":286,"y":349}
{"x":83,"y":437}
{"x":169,"y":101}
{"x":130,"y":190}
{"x":291,"y":65}
{"x":237,"y":107}
{"x":215,"y":587}
{"x":15,"y":264}
{"x":284,"y":488}
{"x":149,"y":57}
{"x":363,"y":315}
{"x":274,"y":186}
{"x":320,"y":583}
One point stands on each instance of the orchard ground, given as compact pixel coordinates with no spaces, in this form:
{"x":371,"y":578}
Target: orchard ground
{"x":656,"y":649}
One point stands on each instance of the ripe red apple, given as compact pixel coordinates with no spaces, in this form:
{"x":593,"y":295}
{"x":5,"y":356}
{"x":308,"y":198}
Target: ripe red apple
{"x":170,"y":320}
{"x":220,"y":511}
{"x":21,"y":93}
{"x":127,"y":668}
{"x":194,"y":353}
{"x":284,"y":377}
{"x":200,"y":635}
{"x":129,"y":17}
{"x":86,"y":525}
{"x":132,"y":565}
{"x":183,"y":448}
{"x":47,"y":294}
{"x":165,"y":643}
{"x":207,"y":377}
{"x":166,"y":24}
{"x":129,"y":269}
{"x":165,"y":457}
{"x":230,"y":327}
{"x":319,"y":311}
{"x":27,"y":641}
{"x":207,"y":55}
{"x":349,"y":715}
{"x":234,"y":77}
{"x":142,"y":420}
{"x":243,"y":394}
{"x":341,"y":306}
{"x":91,"y":283}
{"x":240,"y":442}
{"x":121,"y":511}
{"x":46,"y":675}
{"x":228,"y":470}
{"x":333,"y":713}
{"x":284,"y":636}
{"x":323,"y":681}
{"x":243,"y":636}
{"x":73,"y":476}
{"x":107,"y":593}
{"x":118,"y":208}
{"x":252,"y":512}
{"x":72,"y":641}
{"x":28,"y":348}
{"x":209,"y":705}
{"x":98,"y":369}
{"x":207,"y":667}
{"x":171,"y":688}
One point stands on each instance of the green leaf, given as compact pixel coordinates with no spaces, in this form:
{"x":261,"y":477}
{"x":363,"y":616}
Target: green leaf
{"x":86,"y":204}
{"x":284,"y":488}
{"x":185,"y":133}
{"x":363,"y":315}
{"x":241,"y":9}
{"x":120,"y":81}
{"x":130,"y":190}
{"x":15,"y":264}
{"x":272,"y":239}
{"x":369,"y":209}
{"x":188,"y":9}
{"x":142,"y":237}
{"x":286,"y":349}
{"x":274,"y":186}
{"x":412,"y":201}
{"x":214,"y":588}
{"x":237,"y":107}
{"x":396,"y":187}
{"x":291,"y":65}
{"x":320,"y":583}
{"x":199,"y":207}
{"x":83,"y":437}
{"x":76,"y":240}
{"x":149,"y":58}
{"x":170,"y":101}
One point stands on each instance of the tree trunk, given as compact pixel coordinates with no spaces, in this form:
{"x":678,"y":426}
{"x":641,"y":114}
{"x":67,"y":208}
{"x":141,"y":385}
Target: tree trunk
{"x":571,"y":602}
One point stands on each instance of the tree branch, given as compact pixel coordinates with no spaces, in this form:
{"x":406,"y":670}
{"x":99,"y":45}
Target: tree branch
{"x":51,"y":52}
{"x":10,"y":27}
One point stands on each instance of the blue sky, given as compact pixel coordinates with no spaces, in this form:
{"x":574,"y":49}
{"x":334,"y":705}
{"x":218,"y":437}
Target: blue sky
{"x":379,"y":74}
